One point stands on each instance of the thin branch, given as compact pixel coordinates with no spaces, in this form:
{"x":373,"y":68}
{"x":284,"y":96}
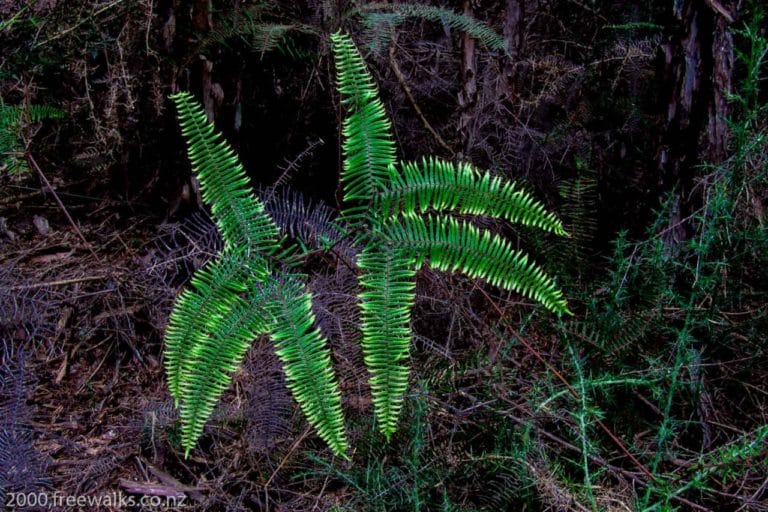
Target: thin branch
{"x":716,"y":6}
{"x":570,"y":389}
{"x":60,"y":282}
{"x":61,"y":205}
{"x":409,"y":94}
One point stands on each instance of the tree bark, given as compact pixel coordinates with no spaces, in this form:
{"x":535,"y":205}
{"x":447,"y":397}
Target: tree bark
{"x":513,"y":31}
{"x":699,"y":67}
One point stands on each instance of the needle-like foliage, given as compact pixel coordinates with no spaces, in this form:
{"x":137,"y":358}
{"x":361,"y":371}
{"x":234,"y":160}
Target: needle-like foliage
{"x":12,"y":117}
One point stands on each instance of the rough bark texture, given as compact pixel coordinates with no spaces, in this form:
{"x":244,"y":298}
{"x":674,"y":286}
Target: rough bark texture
{"x":513,"y":31}
{"x":722,"y":77}
{"x":699,"y":65}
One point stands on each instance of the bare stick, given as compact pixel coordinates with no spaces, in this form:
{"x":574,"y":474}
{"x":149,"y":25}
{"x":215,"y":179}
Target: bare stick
{"x":407,"y":91}
{"x":61,"y":205}
{"x":61,"y":282}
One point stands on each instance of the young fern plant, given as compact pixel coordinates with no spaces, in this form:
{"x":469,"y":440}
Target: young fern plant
{"x":240,"y":295}
{"x":405,"y":217}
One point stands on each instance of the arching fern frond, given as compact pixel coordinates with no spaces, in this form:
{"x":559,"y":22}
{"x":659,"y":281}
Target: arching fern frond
{"x":386,"y":301}
{"x":212,"y":326}
{"x":368,"y":146}
{"x":457,"y":246}
{"x":200,"y":310}
{"x":210,"y":363}
{"x":381,"y":18}
{"x":237,"y":212}
{"x":437,"y":185}
{"x":307,"y":362}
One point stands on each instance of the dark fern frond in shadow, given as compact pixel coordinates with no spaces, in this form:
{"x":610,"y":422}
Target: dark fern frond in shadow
{"x":16,"y":383}
{"x":336,"y":306}
{"x":269,"y":410}
{"x":380,"y":19}
{"x":313,"y":226}
{"x":252,"y":28}
{"x":580,"y":199}
{"x":181,"y":248}
{"x":22,"y":467}
{"x":335,"y":303}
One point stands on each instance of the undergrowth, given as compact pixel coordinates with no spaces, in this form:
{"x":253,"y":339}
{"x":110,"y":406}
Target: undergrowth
{"x":625,"y":412}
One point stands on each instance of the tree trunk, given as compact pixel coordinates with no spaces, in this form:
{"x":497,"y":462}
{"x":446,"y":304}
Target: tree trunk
{"x":699,"y":66}
{"x":514,"y":31}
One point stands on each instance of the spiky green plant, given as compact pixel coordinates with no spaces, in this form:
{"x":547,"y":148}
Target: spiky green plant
{"x":402,"y":214}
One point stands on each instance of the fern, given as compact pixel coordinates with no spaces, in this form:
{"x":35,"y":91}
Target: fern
{"x":12,"y":118}
{"x":436,"y":185}
{"x":368,"y":147}
{"x":212,"y":325}
{"x":214,"y":357}
{"x":381,"y":18}
{"x":453,"y":245}
{"x":253,"y":28}
{"x":311,"y":225}
{"x":237,"y":212}
{"x":196,"y":311}
{"x":307,"y":361}
{"x":404,"y":215}
{"x":386,"y":302}
{"x":403,"y":221}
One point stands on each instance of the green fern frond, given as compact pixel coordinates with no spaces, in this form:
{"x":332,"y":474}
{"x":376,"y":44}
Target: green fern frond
{"x":258,"y":35}
{"x":239,"y":215}
{"x":369,"y":149}
{"x":386,"y":301}
{"x":212,"y":326}
{"x":12,"y":117}
{"x":13,"y":114}
{"x":307,"y":362}
{"x":201,"y":309}
{"x":443,"y":186}
{"x":210,"y":363}
{"x":457,"y":246}
{"x":580,"y":206}
{"x":378,"y":16}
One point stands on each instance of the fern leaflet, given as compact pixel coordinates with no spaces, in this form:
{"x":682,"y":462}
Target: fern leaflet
{"x":460,"y":188}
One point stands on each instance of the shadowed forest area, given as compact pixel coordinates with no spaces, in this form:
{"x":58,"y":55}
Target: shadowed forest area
{"x":591,"y":338}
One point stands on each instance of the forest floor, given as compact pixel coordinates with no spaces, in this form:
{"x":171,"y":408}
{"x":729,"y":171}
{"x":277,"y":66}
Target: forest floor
{"x":641,"y":124}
